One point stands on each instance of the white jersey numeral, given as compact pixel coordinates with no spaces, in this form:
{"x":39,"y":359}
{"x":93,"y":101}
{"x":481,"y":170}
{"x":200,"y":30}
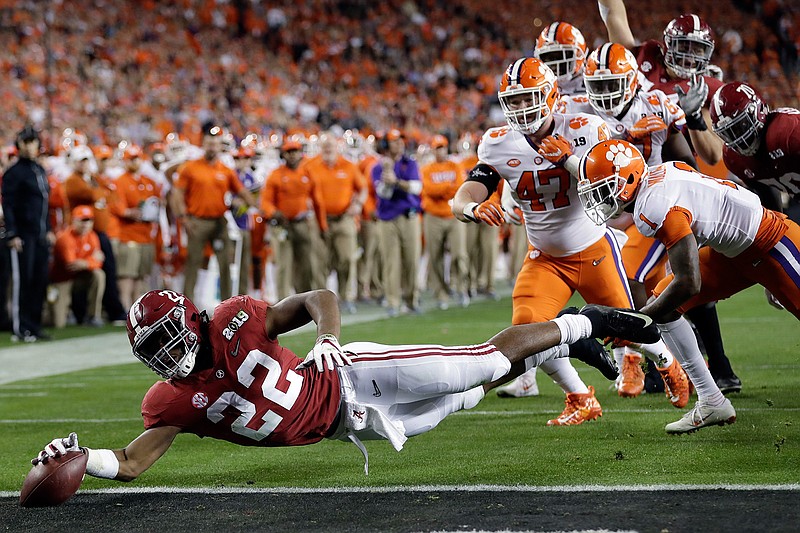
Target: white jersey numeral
{"x":246,"y":408}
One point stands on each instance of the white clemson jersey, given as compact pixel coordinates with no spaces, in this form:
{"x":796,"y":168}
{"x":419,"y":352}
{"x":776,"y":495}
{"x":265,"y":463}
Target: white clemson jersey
{"x":644,"y":103}
{"x":547,"y":195}
{"x":724,"y":216}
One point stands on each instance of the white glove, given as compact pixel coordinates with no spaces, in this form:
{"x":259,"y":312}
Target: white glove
{"x":771,"y":300}
{"x":511,"y":210}
{"x":326,"y":349}
{"x":692,"y":101}
{"x":57,"y":448}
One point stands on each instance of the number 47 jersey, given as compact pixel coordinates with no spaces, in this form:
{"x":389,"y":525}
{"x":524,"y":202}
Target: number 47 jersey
{"x":555,"y":222}
{"x":252,"y":395}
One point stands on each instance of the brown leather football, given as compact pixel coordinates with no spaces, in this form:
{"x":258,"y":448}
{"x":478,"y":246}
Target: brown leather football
{"x":54,"y":482}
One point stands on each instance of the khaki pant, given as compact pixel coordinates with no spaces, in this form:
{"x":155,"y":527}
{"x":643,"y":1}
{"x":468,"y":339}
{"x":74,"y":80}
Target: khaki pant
{"x":442,"y":234}
{"x":482,"y":247}
{"x":341,"y":243}
{"x":295,"y":256}
{"x":93,"y":281}
{"x":215,"y":231}
{"x":246,"y":262}
{"x":400,"y":252}
{"x":369,"y":265}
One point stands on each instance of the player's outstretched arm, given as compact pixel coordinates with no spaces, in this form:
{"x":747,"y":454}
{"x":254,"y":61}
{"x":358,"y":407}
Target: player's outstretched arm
{"x":320,"y":306}
{"x":685,"y":263}
{"x":615,"y":18}
{"x":124,"y":464}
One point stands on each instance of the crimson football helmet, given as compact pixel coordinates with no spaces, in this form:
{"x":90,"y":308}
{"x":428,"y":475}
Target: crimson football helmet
{"x":608,"y":178}
{"x":561,"y":47}
{"x":528,"y":94}
{"x":164,"y":331}
{"x":611,"y":78}
{"x":690,"y":43}
{"x":738,"y":115}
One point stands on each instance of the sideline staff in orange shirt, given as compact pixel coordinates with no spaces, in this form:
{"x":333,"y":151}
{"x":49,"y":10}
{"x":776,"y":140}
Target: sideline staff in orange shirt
{"x":78,"y":266}
{"x":199,"y":201}
{"x":343,"y":192}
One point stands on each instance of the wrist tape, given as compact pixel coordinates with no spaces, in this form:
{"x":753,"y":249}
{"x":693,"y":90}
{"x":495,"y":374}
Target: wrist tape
{"x":102,"y":463}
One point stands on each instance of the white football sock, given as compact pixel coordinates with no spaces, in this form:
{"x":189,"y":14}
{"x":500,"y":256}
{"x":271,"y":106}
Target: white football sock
{"x":549,"y":354}
{"x":681,"y":340}
{"x":565,"y":375}
{"x":657,"y":353}
{"x":573,"y":328}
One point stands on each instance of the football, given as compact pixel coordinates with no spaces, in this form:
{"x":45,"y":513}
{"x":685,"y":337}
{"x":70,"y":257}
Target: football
{"x":54,"y":482}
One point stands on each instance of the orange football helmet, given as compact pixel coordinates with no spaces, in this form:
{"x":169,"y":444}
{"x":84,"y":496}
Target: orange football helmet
{"x":611,"y":78}
{"x":609,"y":176}
{"x":528,"y":94}
{"x":561,"y":47}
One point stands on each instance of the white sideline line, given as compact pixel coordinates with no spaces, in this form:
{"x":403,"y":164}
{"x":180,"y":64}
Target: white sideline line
{"x":428,"y":488}
{"x":459,"y":413}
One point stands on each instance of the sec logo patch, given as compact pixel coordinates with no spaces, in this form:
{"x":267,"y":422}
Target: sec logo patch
{"x":514,"y":162}
{"x":199,"y":400}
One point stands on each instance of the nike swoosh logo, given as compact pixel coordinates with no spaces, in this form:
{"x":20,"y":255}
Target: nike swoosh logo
{"x":235,"y":350}
{"x":598,"y":261}
{"x":377,"y":392}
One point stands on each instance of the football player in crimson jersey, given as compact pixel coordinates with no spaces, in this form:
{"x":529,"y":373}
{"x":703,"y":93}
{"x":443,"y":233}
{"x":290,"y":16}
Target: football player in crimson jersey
{"x":537,"y":154}
{"x":678,"y":66}
{"x":743,"y":244}
{"x":227,"y":377}
{"x":761,"y":146}
{"x":651,"y":122}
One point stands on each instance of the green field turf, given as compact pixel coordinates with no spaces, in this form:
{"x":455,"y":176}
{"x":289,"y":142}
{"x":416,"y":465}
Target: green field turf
{"x":498,"y":442}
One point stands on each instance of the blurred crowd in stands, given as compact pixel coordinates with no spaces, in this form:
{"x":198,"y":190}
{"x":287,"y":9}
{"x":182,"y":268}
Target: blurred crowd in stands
{"x":139,"y":70}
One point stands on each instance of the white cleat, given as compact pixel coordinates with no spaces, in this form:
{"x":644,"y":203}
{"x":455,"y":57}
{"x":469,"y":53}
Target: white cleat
{"x":522,"y":387}
{"x":703,"y":415}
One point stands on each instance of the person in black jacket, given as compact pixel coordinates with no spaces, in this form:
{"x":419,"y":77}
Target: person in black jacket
{"x":29,"y":236}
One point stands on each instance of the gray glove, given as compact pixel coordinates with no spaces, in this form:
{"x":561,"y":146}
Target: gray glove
{"x":692,"y":101}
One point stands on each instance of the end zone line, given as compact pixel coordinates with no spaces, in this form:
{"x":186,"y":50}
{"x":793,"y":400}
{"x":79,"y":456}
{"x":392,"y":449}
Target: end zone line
{"x":428,"y":488}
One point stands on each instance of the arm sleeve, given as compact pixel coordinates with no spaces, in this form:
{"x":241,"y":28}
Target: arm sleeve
{"x":676,"y":226}
{"x":485,"y":174}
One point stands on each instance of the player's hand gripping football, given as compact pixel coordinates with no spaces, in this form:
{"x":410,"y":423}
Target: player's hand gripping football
{"x":57,"y":448}
{"x":645,"y":127}
{"x":327,"y":353}
{"x":555,"y":149}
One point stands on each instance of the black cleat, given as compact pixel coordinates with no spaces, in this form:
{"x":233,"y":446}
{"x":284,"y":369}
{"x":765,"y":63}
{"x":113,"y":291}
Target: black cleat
{"x":626,"y":324}
{"x":729,"y":384}
{"x":591,"y":352}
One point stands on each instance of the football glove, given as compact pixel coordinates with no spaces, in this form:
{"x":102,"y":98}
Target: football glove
{"x":488,"y":212}
{"x":692,"y":101}
{"x":645,"y":127}
{"x":326,"y":353}
{"x":57,"y":448}
{"x":555,"y":149}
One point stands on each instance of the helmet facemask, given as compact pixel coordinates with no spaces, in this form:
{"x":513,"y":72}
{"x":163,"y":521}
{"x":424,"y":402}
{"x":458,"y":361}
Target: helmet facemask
{"x":168,"y":347}
{"x":742,"y":133}
{"x":609,"y":93}
{"x":562,"y":59}
{"x":601,"y":199}
{"x":526,"y":108}
{"x":688,"y":55}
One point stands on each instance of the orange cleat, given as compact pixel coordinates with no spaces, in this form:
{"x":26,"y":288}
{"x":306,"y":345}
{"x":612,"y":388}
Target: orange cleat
{"x":580,"y":408}
{"x":676,"y":384}
{"x":632,"y":383}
